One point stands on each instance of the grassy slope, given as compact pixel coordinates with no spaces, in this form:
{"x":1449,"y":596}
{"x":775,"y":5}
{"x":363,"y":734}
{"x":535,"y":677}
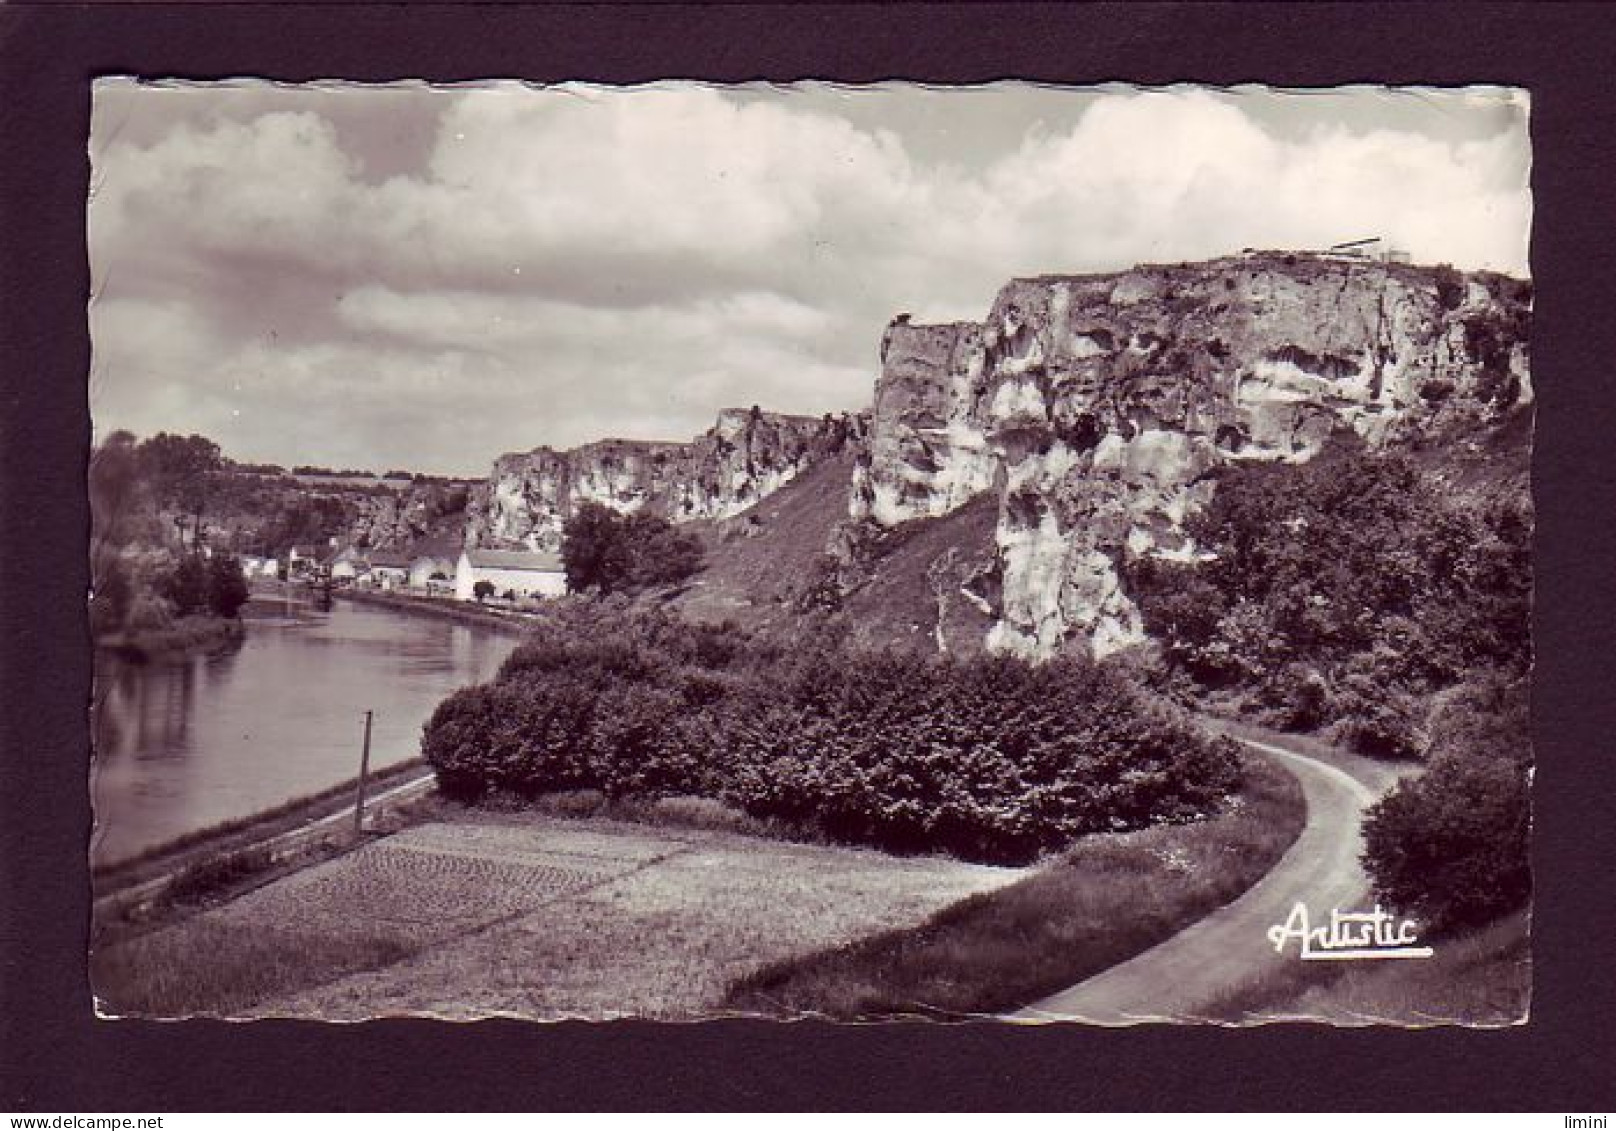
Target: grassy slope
{"x":1105,"y":900}
{"x":1480,"y":977}
{"x":752,"y":579}
{"x":897,"y":603}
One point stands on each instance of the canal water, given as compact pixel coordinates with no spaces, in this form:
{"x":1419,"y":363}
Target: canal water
{"x":187,"y":744}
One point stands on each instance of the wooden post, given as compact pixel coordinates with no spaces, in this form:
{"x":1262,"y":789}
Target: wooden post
{"x":364,"y":772}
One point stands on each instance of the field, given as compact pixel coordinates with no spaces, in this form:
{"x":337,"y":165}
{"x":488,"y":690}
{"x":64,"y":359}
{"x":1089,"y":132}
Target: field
{"x":1106,"y":899}
{"x":525,"y":915}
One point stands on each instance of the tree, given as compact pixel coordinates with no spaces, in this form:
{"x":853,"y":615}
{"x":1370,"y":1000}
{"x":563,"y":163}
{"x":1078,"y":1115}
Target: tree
{"x":657,"y":553}
{"x":181,"y":470}
{"x":227,"y":587}
{"x":109,"y":607}
{"x":115,"y":489}
{"x":186,"y":586}
{"x":608,"y":552}
{"x":593,"y":552}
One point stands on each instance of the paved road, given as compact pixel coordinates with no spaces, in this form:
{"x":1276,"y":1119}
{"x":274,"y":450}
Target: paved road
{"x":1178,"y":979}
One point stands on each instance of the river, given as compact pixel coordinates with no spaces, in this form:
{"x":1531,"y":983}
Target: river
{"x":186,"y":744}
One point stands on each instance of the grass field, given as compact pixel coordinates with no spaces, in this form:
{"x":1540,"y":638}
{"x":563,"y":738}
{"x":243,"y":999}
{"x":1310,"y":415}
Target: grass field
{"x":1103,"y":901}
{"x":525,"y":915}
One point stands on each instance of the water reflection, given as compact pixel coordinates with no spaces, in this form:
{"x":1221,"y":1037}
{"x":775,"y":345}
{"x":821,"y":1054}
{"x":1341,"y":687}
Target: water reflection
{"x":184,"y":745}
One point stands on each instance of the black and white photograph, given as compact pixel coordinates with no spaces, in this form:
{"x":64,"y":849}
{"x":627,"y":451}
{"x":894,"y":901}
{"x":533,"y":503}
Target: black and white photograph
{"x":1050,"y":555}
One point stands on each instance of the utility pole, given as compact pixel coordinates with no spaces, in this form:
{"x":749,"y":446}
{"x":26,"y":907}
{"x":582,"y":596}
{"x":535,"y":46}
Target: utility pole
{"x":364,"y":772}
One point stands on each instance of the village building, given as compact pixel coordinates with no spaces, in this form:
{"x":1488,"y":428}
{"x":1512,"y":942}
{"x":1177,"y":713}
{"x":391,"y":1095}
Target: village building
{"x":254,"y":565}
{"x":432,"y":565}
{"x":348,"y":565}
{"x":520,"y":573}
{"x":389,"y":569}
{"x":303,"y":562}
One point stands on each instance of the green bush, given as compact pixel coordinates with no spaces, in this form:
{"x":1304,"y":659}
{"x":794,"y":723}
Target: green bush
{"x":988,"y":758}
{"x":1450,"y":287}
{"x":226,"y":586}
{"x":149,"y":613}
{"x":186,"y":585}
{"x":1449,"y":846}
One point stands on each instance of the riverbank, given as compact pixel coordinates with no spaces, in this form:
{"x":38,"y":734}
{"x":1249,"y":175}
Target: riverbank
{"x":225,"y":860}
{"x":186,"y":636}
{"x":460,"y":612}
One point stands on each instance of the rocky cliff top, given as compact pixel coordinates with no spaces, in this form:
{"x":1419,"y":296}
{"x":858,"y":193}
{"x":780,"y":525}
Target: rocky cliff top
{"x":745,"y":456}
{"x":1094,"y":411}
{"x":1097,"y":406}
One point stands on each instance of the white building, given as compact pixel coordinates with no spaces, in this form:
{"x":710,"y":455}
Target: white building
{"x":348,"y":565}
{"x":432,"y":565}
{"x":518,"y":572}
{"x":389,"y":569}
{"x":252,"y":566}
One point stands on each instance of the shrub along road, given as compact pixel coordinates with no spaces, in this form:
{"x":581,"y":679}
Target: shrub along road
{"x":1227,"y":952}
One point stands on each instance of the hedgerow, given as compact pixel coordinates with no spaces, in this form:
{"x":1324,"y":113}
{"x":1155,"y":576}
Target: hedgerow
{"x":991,"y":759}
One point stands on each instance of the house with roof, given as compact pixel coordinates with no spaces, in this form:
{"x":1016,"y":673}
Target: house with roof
{"x":389,"y":569}
{"x":348,"y":565}
{"x":521,"y":573}
{"x":302,"y":562}
{"x":432,"y":564}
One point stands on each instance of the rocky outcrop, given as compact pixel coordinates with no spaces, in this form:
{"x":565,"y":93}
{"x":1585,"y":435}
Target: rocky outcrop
{"x":1098,"y":408}
{"x":394,"y":520}
{"x":745,"y":457}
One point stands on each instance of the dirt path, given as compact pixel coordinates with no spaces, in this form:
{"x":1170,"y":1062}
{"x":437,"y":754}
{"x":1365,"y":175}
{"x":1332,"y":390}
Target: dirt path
{"x":1228,"y":950}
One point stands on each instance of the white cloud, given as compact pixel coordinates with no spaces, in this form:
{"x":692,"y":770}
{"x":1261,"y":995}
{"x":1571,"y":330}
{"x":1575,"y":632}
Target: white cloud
{"x":578,"y":259}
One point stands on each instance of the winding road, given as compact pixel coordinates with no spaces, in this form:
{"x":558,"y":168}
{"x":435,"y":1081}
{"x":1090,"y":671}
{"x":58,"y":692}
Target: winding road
{"x":1215,"y":958}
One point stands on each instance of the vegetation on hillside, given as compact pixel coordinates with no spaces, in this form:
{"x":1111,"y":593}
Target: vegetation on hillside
{"x":151,"y":590}
{"x":172,"y":515}
{"x":606,"y":552}
{"x":1358,"y":596}
{"x":991,"y":759}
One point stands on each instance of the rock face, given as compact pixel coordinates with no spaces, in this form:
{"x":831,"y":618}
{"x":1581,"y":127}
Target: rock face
{"x":1099,"y":407}
{"x":746,"y":456}
{"x":421,"y":510}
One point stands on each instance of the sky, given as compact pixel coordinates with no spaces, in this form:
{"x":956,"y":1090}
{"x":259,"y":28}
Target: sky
{"x":424,"y":278}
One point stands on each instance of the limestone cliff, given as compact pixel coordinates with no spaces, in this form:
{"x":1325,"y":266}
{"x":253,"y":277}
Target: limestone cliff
{"x":389,"y":520}
{"x":746,"y":456}
{"x":1098,"y":408}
